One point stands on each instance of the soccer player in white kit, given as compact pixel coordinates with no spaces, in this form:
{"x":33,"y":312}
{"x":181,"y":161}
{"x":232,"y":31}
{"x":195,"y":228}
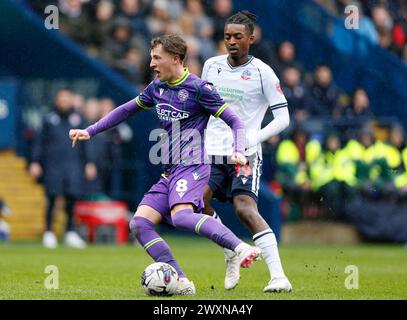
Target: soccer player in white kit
{"x":250,"y":87}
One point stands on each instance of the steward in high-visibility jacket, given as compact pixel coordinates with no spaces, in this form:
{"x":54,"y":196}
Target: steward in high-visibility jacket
{"x":332,"y":174}
{"x":398,"y":156}
{"x":330,"y":163}
{"x":356,"y":150}
{"x":385,"y":161}
{"x":291,"y":160}
{"x":401,"y":180}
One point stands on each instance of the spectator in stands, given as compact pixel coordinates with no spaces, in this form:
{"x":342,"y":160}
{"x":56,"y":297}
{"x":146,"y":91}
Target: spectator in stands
{"x":158,"y":18}
{"x":115,"y":49}
{"x":356,"y":150}
{"x":295,"y":93}
{"x":285,"y":58}
{"x":383,"y":161}
{"x":194,"y":9}
{"x":222,"y":9}
{"x":263,"y":48}
{"x":400,"y":30}
{"x":194,"y":21}
{"x":132,"y":66}
{"x":207,"y":45}
{"x":323,"y":92}
{"x":104,"y":152}
{"x":74,"y":21}
{"x":292,"y":171}
{"x":396,"y":158}
{"x":332,"y":175}
{"x":78,"y":103}
{"x":61,"y":167}
{"x":175,"y":8}
{"x":132,"y":10}
{"x":399,"y":144}
{"x":366,"y":26}
{"x":384,"y":26}
{"x":360,"y":107}
{"x":101,"y":27}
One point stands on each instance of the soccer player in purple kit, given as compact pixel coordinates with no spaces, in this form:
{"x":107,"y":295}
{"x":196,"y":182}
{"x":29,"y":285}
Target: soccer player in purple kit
{"x":182,"y":102}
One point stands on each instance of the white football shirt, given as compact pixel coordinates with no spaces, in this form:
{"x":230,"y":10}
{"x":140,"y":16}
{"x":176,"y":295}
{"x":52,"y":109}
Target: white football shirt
{"x":249,"y":89}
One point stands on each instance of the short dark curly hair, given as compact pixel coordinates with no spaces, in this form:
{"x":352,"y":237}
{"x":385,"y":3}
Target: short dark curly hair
{"x":243,"y":17}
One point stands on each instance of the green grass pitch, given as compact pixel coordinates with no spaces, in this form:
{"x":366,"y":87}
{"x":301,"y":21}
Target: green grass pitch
{"x":114,"y":272}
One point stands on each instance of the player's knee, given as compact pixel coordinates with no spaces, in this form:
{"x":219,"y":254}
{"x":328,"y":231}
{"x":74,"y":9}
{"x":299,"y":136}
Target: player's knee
{"x":180,"y":218}
{"x":246,"y":211}
{"x":138,"y":224}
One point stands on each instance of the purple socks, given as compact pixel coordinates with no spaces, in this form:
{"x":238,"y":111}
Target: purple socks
{"x":206,"y":226}
{"x":151,"y":241}
{"x":186,"y":219}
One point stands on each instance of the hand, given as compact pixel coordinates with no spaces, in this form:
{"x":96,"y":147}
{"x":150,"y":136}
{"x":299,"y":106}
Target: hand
{"x":78,"y":134}
{"x":91,"y":172}
{"x":35,"y":170}
{"x":239,"y":159}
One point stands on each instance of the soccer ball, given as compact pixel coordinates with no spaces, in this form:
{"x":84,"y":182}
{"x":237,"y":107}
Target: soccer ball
{"x":159,"y":279}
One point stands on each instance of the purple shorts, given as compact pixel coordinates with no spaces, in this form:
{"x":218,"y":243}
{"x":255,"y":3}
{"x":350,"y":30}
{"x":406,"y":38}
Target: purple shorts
{"x":185,"y":185}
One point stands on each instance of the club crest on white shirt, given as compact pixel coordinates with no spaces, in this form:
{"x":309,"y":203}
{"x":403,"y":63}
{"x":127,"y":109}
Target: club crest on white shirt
{"x":246,"y":75}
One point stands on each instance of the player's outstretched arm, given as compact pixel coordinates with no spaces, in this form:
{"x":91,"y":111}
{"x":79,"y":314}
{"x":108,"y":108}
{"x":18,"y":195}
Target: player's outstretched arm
{"x":114,"y":117}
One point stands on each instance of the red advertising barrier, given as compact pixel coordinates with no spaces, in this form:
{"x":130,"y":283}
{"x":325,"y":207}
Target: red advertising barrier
{"x":103,"y":213}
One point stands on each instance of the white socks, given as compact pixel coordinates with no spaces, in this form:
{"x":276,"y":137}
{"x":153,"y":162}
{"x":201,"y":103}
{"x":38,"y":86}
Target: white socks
{"x":266,"y":241}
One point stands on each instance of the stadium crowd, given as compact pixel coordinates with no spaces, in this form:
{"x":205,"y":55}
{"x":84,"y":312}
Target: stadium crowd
{"x":383,"y":22}
{"x":335,"y":146}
